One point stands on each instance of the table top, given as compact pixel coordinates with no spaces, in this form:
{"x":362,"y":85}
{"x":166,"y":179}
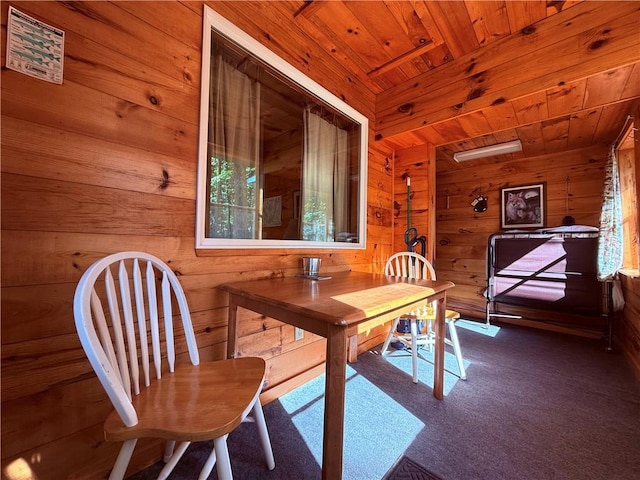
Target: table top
{"x":346,"y":298}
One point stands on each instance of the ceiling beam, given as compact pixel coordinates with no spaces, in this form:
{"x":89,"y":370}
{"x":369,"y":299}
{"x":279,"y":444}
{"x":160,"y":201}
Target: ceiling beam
{"x":309,"y":8}
{"x":391,"y":64}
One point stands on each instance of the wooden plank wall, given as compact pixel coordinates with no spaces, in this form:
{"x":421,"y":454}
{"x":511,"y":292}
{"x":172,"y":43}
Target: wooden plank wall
{"x":107,"y":162}
{"x":418,"y":164}
{"x":627,"y":327}
{"x":574,"y":182}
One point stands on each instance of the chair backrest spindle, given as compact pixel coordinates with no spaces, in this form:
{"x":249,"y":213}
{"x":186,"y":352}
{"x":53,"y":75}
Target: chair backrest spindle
{"x":153,"y":319}
{"x":103,"y":329}
{"x":168,"y":321}
{"x":129,"y":330}
{"x":116,"y":324}
{"x":142,"y":323}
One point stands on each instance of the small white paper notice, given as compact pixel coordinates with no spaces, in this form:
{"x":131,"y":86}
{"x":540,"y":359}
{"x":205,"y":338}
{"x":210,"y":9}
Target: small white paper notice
{"x":272,"y":213}
{"x":34,"y":48}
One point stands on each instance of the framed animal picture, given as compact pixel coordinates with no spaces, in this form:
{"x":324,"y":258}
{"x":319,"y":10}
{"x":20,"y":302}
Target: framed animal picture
{"x":523,"y":206}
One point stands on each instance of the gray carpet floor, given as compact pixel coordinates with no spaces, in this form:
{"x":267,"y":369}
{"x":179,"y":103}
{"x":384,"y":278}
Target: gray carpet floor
{"x":536,"y":405}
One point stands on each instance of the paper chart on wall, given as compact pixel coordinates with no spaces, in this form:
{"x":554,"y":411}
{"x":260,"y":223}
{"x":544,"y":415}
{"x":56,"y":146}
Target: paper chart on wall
{"x":34,"y":48}
{"x":272,"y":213}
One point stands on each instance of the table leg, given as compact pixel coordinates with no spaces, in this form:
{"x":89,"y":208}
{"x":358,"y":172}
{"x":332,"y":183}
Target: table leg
{"x":352,"y":349}
{"x":438,"y":361}
{"x":334,"y":401}
{"x":232,"y":331}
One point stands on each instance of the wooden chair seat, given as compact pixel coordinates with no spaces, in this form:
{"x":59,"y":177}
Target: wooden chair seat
{"x":194,"y":403}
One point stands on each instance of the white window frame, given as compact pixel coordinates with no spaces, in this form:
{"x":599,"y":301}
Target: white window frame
{"x":212,"y":20}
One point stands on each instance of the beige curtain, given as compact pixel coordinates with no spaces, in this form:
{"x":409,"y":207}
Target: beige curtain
{"x":234,"y":150}
{"x":325,"y":179}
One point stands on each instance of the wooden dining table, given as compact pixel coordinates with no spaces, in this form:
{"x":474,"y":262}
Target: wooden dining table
{"x":338,"y":308}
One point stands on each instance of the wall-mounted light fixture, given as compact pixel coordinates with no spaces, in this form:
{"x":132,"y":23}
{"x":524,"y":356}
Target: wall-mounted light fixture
{"x":499,"y":149}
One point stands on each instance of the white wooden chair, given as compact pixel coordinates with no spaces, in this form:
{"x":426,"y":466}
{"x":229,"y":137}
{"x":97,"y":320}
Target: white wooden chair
{"x":413,"y":265}
{"x":126,"y":327}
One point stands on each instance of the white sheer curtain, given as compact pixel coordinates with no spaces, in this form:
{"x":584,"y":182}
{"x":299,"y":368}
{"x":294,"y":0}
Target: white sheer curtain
{"x":325,"y":179}
{"x":610,"y":240}
{"x":234,"y":149}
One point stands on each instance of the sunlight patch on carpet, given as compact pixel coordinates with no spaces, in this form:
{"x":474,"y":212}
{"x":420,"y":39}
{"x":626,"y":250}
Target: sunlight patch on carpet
{"x":483,"y":328}
{"x":401,"y":359}
{"x":370,"y":415}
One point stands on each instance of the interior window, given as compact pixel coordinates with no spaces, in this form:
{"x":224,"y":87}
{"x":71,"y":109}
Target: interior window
{"x":282,"y":161}
{"x":628,"y":178}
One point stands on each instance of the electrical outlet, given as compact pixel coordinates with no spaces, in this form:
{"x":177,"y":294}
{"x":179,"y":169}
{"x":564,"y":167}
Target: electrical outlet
{"x":298,"y":333}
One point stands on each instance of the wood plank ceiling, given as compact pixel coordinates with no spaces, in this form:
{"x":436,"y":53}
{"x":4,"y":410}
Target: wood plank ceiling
{"x":557,"y":75}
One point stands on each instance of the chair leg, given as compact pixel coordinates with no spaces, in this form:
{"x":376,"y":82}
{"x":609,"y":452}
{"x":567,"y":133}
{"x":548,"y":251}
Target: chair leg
{"x":455,"y":343}
{"x":414,"y":349}
{"x":173,"y":460}
{"x":258,"y":415}
{"x":168,"y":450}
{"x":431,"y":334}
{"x":386,"y":343}
{"x":488,"y":312}
{"x":223,"y":464}
{"x":122,"y":462}
{"x":208,"y":465}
